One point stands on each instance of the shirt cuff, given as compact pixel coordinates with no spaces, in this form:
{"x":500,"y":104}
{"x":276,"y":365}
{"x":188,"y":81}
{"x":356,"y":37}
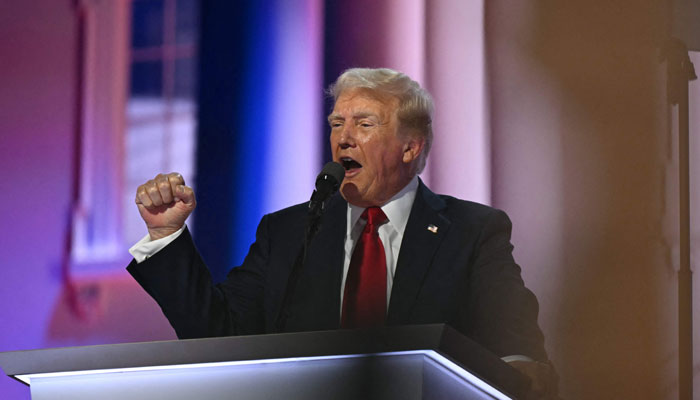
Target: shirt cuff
{"x":146,"y":247}
{"x":516,"y":357}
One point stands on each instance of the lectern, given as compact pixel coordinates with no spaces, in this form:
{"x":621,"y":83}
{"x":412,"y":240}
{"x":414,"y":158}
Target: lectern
{"x":409,"y":362}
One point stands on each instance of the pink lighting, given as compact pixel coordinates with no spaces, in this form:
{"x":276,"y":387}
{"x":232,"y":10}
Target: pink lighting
{"x":294,"y":151}
{"x":455,"y":75}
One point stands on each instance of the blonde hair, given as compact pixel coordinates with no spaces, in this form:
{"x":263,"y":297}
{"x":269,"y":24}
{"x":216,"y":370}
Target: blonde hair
{"x":415,"y":103}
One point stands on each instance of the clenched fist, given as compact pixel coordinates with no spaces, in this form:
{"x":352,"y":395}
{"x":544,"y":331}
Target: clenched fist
{"x":165,"y":203}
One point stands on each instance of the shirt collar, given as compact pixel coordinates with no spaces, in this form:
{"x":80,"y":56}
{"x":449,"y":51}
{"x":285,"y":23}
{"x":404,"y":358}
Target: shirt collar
{"x":397,"y":209}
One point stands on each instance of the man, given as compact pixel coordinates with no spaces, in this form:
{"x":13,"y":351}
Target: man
{"x":389,"y":250}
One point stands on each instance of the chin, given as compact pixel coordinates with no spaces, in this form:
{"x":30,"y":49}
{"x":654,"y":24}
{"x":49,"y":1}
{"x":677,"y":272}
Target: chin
{"x":349,"y":191}
{"x":351,"y":194}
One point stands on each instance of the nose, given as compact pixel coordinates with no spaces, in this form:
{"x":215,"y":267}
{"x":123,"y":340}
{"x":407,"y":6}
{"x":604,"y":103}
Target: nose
{"x":346,"y":136}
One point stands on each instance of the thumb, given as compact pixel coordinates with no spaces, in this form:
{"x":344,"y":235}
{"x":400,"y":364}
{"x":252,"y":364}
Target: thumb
{"x":185,"y":194}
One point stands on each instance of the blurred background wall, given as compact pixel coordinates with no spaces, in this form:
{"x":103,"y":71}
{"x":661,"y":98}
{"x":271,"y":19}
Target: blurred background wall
{"x":584,"y":162}
{"x":555,"y":112}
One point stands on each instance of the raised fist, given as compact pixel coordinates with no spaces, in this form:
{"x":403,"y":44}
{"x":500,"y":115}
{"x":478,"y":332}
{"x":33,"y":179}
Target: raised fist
{"x":164,"y":203}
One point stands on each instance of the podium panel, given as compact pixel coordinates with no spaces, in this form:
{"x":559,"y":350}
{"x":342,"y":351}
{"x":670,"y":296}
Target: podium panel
{"x":415,"y":362}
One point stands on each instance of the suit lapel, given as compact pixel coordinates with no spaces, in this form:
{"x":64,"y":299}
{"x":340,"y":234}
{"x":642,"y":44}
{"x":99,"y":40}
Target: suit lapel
{"x":425,"y":230}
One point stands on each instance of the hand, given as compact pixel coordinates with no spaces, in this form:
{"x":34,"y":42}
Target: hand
{"x":164,"y":203}
{"x":542,"y":376}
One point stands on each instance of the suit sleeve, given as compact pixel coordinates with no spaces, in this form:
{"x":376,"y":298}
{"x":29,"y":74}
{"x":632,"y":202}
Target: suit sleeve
{"x":179,"y":281}
{"x":504,"y":311}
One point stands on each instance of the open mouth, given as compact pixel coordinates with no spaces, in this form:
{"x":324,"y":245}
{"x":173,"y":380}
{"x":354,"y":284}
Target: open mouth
{"x":349,"y":164}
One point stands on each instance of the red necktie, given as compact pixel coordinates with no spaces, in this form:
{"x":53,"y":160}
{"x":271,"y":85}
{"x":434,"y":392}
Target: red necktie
{"x":364,"y":298}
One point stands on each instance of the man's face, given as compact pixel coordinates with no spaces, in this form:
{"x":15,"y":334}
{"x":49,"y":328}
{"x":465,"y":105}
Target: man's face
{"x":365,"y":139}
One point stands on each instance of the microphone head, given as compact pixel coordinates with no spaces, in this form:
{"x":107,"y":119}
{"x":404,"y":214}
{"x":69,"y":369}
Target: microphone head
{"x":330,"y":178}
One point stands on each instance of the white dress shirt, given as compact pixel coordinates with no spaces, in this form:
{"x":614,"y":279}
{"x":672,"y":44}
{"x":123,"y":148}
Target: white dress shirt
{"x":146,"y":247}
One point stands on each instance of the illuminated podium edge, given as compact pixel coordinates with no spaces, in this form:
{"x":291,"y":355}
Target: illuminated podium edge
{"x":438,"y":342}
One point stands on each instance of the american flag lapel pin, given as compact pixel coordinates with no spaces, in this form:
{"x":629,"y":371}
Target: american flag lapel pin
{"x":432,"y":228}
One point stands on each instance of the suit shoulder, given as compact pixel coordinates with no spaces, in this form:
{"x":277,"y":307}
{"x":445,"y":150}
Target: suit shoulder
{"x":470,"y":211}
{"x":300,"y":211}
{"x":293,"y":217}
{"x":292,"y":211}
{"x":453,"y":202}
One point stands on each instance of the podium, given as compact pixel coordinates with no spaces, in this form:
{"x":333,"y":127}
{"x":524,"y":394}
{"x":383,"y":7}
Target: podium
{"x":408,"y":362}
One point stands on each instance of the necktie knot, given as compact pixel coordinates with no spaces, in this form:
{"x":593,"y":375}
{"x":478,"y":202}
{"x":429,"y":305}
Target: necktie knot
{"x":374,"y":216}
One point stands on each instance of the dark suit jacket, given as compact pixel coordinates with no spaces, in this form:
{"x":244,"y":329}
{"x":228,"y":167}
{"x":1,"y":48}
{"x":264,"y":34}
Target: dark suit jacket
{"x":463,"y":275}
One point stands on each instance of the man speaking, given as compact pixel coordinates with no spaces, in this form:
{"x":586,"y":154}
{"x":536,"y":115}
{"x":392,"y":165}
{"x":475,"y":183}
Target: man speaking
{"x":388,"y":252}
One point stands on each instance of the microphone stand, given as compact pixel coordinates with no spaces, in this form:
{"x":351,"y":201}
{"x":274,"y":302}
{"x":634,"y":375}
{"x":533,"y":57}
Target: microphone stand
{"x":316,"y":209}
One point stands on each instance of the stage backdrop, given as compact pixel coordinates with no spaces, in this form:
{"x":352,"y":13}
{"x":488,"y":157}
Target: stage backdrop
{"x":553,"y":111}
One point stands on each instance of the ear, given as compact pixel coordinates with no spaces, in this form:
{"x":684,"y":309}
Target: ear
{"x":412,"y":149}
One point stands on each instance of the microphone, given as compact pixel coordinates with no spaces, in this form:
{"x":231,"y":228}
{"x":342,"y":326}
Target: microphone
{"x":327,"y":182}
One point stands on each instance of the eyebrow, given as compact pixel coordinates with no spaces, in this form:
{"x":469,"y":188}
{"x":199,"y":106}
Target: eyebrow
{"x":359,"y":115}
